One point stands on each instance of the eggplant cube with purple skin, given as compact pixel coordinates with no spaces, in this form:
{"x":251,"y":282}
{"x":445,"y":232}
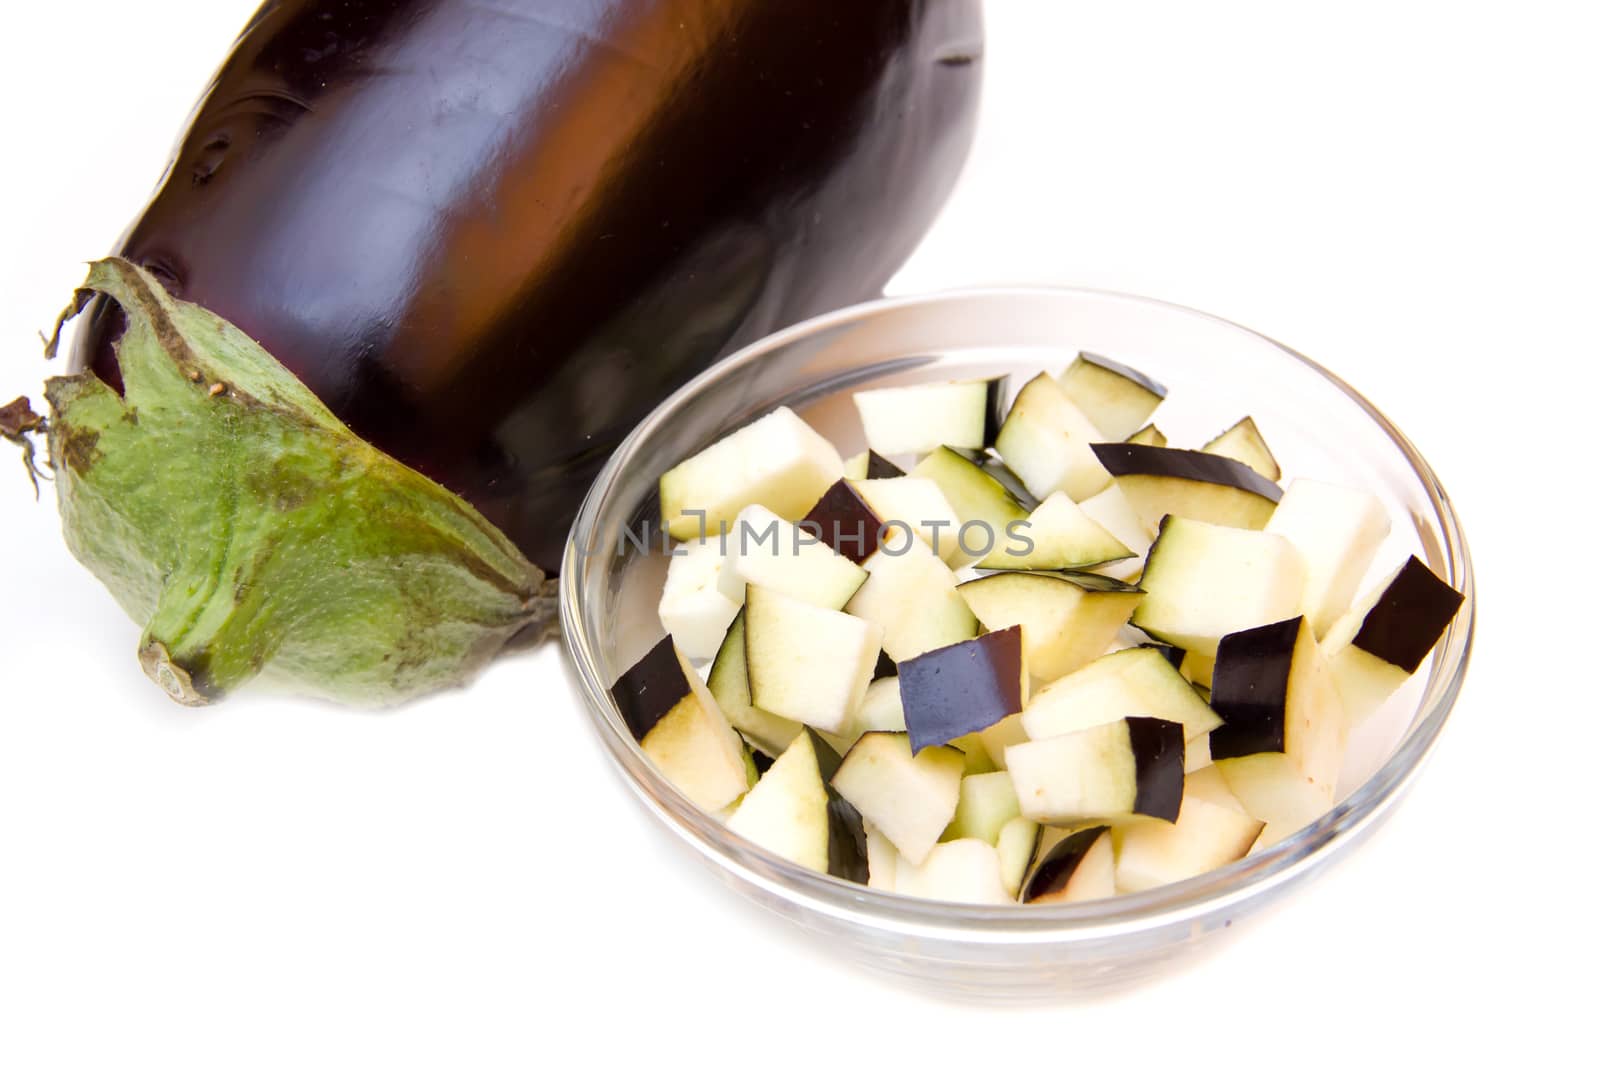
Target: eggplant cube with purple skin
{"x":1117,"y":398}
{"x":1243,"y":441}
{"x":1281,"y":742}
{"x":1067,"y":619}
{"x":963,"y":688}
{"x":729,"y":683}
{"x":1049,"y":443}
{"x":793,"y":812}
{"x":844,"y":521}
{"x":1373,"y":648}
{"x":677,"y":723}
{"x":1190,"y":485}
{"x":989,"y":512}
{"x":1080,"y":866}
{"x":1114,"y":772}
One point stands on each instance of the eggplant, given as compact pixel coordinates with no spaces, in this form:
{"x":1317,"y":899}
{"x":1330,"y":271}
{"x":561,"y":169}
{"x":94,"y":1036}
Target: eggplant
{"x":1081,"y":866}
{"x":845,"y":522}
{"x":416,"y":268}
{"x":1189,"y":485}
{"x":491,"y":237}
{"x":679,"y":727}
{"x":963,"y":688}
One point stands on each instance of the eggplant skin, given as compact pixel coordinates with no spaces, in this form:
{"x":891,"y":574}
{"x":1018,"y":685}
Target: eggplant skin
{"x":492,"y":234}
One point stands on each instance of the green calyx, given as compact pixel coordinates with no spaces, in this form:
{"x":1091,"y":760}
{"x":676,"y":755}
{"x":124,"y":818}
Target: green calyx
{"x":252,"y":532}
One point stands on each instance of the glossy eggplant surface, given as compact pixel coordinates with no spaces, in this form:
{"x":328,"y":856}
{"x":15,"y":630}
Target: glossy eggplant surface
{"x":492,"y":234}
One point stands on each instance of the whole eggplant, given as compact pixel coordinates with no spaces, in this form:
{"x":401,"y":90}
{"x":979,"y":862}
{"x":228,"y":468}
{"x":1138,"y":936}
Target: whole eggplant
{"x":490,"y":236}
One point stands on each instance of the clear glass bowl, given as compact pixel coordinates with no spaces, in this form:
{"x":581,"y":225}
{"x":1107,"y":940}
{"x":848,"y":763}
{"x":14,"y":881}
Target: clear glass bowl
{"x":1216,"y":372}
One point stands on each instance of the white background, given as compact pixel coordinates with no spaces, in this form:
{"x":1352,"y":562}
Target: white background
{"x":1405,"y":191}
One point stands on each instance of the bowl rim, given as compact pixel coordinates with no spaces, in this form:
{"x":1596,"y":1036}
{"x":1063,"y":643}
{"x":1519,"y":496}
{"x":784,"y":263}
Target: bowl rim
{"x":1181,"y":902}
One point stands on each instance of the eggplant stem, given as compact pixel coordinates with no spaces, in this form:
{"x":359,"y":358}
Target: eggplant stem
{"x":173,"y":679}
{"x":251,"y":531}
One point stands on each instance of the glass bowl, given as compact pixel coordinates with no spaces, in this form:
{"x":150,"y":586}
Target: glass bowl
{"x":1216,"y":372}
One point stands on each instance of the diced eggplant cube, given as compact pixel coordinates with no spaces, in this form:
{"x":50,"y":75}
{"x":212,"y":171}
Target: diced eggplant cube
{"x":1281,"y":713}
{"x":1117,"y":398}
{"x":1059,"y":535}
{"x":1016,"y":845}
{"x":1115,"y":771}
{"x":961,"y":872}
{"x":909,"y":798}
{"x":979,"y":761}
{"x":806,"y":663}
{"x":680,"y":728}
{"x":1408,"y":618}
{"x":1205,"y":837}
{"x":920,"y":418}
{"x":786,"y":811}
{"x":1190,"y":485}
{"x":1271,"y":788}
{"x":962,"y":688}
{"x":1048,"y":442}
{"x":986,"y":509}
{"x":1110,"y":508}
{"x":843,"y":521}
{"x":1243,"y":441}
{"x":913,"y":597}
{"x":1204,"y":581}
{"x":1337,"y":532}
{"x":1134,"y":681}
{"x":1080,"y":866}
{"x":649,"y":690}
{"x":1001,"y":736}
{"x":1067,"y":619}
{"x":729,"y":683}
{"x":777,"y":461}
{"x":880,"y":711}
{"x":988,"y":802}
{"x":693,"y":608}
{"x":1383,"y":639}
{"x":919,"y":505}
{"x":765,"y":550}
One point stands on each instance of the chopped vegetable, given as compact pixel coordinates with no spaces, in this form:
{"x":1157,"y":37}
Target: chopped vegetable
{"x":1015,"y":738}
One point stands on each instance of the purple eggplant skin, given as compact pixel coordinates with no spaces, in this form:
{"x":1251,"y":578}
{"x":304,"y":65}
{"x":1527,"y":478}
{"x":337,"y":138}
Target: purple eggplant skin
{"x":491,"y":236}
